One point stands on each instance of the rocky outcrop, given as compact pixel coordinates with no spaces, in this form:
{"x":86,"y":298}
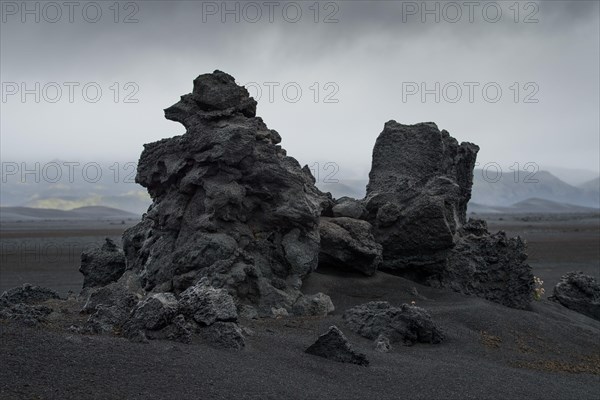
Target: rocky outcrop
{"x":348,"y":207}
{"x":382,"y":344}
{"x":25,"y":304}
{"x":124,"y":295}
{"x":109,"y":307}
{"x":313,"y":305}
{"x":25,"y":313}
{"x":27,"y":294}
{"x":207,"y":305}
{"x":105,"y":319}
{"x":227,"y":335}
{"x":380,"y":321}
{"x":578,"y":292}
{"x":202,"y":310}
{"x":228,"y":204}
{"x":236,"y":225}
{"x":419,"y":187}
{"x":491,"y":266}
{"x":152,"y":314}
{"x":348,"y":244}
{"x":103,"y":265}
{"x":333,"y":345}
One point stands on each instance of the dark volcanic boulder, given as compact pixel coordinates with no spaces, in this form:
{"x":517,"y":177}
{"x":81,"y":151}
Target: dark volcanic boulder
{"x":102,"y":265}
{"x":227,"y":335}
{"x":349,"y":207}
{"x":23,"y":304}
{"x":27,"y":294}
{"x":419,"y":187}
{"x":105,"y":319}
{"x":580,"y":293}
{"x":378,"y":320}
{"x":228,"y":204}
{"x":23,"y":312}
{"x":491,"y":266}
{"x":333,"y":345}
{"x":110,"y":306}
{"x":207,"y":305}
{"x":153,"y":313}
{"x":348,"y":243}
{"x":124,"y":294}
{"x":313,"y":305}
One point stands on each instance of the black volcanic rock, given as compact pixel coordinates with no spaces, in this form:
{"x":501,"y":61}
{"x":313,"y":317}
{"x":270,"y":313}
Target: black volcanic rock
{"x":207,"y":305}
{"x":491,"y":266}
{"x":227,"y":335}
{"x":236,"y":225}
{"x":419,"y":186}
{"x":23,"y":304}
{"x":228,"y":204}
{"x":25,"y":313}
{"x":348,"y":244}
{"x":153,"y":313}
{"x":333,"y":345}
{"x":580,"y":293}
{"x":349,"y":207}
{"x":214,"y":96}
{"x":380,"y":321}
{"x":27,"y":294}
{"x":103,"y":265}
{"x":318,"y":304}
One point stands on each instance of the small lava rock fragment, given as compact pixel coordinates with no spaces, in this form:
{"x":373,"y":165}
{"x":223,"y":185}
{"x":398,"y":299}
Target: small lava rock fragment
{"x":349,"y":207}
{"x":25,"y":313}
{"x":333,"y":345}
{"x":206,"y":305}
{"x":227,"y":335}
{"x":382,"y":344}
{"x":578,"y":292}
{"x":27,"y":294}
{"x":348,"y":244}
{"x":105,"y":319}
{"x":419,"y":186}
{"x":313,"y":305}
{"x":115,"y":294}
{"x":102,"y":265}
{"x":21,"y":304}
{"x":407,"y":324}
{"x":153,"y":313}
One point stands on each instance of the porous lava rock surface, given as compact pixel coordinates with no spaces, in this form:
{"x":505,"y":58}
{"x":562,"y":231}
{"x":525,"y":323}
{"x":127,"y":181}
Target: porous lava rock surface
{"x":334,"y":345}
{"x":419,"y":186}
{"x":228,"y":204}
{"x":580,"y":293}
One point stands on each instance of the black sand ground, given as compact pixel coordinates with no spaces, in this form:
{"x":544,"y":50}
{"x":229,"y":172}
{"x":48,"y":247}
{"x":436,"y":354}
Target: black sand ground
{"x":48,"y":253}
{"x":491,"y":351}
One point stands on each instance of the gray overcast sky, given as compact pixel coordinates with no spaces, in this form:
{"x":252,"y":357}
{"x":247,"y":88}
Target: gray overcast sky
{"x":369,"y":61}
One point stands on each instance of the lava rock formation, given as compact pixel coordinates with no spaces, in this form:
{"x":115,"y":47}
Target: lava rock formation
{"x":236,"y":225}
{"x":580,"y":293}
{"x":228,"y":204}
{"x":419,"y":186}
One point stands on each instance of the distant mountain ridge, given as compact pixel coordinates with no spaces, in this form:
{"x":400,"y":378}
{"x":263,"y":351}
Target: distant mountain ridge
{"x":515,"y":187}
{"x":503,"y":191}
{"x":488,"y":191}
{"x":591,"y":185}
{"x":81,"y":213}
{"x":531,"y":206}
